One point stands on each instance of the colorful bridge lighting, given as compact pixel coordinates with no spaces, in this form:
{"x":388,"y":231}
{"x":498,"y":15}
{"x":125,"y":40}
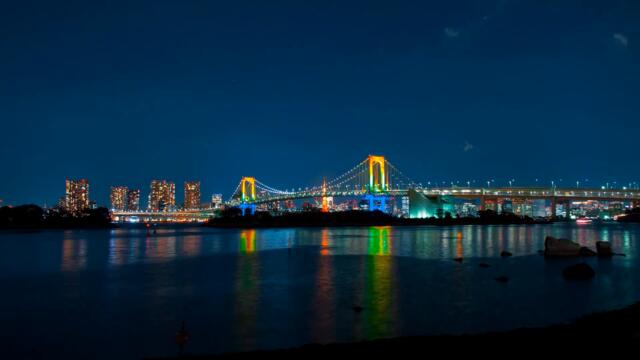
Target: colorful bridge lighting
{"x":325,"y":203}
{"x":249,"y":195}
{"x":377,"y":180}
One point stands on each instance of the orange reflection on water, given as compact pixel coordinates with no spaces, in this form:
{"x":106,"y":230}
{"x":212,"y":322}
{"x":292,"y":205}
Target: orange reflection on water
{"x":459,"y":244}
{"x":117,"y":249}
{"x":248,"y":241}
{"x":191,"y":245}
{"x":324,"y":242}
{"x":74,"y":254}
{"x":160,"y":247}
{"x":322,"y":326}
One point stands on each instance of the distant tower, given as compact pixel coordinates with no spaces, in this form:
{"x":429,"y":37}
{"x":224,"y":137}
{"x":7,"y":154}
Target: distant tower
{"x":162,"y":196}
{"x":191,"y":195}
{"x":118,"y":198}
{"x":325,"y":203}
{"x":133,"y":200}
{"x":77,"y":195}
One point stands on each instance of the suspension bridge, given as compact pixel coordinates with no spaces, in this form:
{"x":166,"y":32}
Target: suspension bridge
{"x":376,"y":180}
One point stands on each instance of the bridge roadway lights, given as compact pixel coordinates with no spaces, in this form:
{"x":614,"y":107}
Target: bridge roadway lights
{"x":374,"y":200}
{"x":244,"y":207}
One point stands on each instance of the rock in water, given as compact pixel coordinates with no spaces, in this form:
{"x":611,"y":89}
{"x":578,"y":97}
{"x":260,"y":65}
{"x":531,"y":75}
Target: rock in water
{"x":505,"y":254}
{"x":357,"y":309}
{"x":502,"y":279}
{"x":560,"y":247}
{"x":585,"y":251}
{"x":604,"y":248}
{"x":458,"y":259}
{"x":578,"y":272}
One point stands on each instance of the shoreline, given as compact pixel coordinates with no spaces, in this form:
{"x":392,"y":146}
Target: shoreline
{"x":361,"y":218}
{"x":609,"y":330}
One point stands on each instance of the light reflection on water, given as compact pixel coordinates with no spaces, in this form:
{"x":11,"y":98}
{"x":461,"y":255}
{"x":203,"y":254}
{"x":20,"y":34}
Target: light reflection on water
{"x":265,"y":288}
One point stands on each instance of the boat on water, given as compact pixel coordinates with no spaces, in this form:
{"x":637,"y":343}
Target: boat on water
{"x":583,"y":221}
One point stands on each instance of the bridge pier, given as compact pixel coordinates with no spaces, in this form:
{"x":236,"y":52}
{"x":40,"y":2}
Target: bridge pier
{"x":554,"y":207}
{"x":567,"y":209}
{"x":251,"y":207}
{"x":373,"y":202}
{"x":483,"y":204}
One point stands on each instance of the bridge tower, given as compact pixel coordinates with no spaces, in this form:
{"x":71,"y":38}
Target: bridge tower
{"x":248,"y":194}
{"x":325,"y":203}
{"x":378,"y":183}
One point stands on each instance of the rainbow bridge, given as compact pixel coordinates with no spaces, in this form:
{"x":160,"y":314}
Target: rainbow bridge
{"x":376,"y":179}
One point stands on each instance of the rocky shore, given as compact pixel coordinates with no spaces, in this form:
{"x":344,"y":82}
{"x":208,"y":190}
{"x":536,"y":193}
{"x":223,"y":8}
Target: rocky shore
{"x":605,"y":332}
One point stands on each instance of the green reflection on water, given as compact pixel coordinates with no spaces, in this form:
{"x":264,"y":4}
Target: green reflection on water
{"x":379,"y":289}
{"x":247,"y":291}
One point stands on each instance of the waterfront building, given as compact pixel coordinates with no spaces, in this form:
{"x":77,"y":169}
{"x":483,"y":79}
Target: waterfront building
{"x":191,"y":195}
{"x":216,"y":201}
{"x":118,"y":198}
{"x":469,"y":209}
{"x":162,"y":196}
{"x":133,"y":200}
{"x":77,"y":195}
{"x":289,"y":205}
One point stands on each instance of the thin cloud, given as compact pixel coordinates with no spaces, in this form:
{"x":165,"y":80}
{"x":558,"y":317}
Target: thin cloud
{"x":621,"y":38}
{"x":451,"y":32}
{"x":467,"y":147}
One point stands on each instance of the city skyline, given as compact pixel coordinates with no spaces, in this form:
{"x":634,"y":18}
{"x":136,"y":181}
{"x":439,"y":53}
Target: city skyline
{"x":502,"y":90}
{"x":205,"y":179}
{"x":162,"y":193}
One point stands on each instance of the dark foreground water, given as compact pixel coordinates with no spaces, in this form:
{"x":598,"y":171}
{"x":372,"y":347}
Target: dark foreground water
{"x":121,"y":294}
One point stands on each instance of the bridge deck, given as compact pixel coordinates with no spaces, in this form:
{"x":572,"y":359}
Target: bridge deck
{"x":472,"y":193}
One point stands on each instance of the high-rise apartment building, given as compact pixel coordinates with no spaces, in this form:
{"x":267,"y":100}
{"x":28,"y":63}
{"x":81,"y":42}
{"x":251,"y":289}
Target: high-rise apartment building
{"x":162,"y":196}
{"x":133,"y":200}
{"x":118,"y":198}
{"x":191,"y":195}
{"x":77,"y":195}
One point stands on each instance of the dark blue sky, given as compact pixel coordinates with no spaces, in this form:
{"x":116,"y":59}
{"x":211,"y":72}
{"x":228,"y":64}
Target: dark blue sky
{"x":289,"y":91}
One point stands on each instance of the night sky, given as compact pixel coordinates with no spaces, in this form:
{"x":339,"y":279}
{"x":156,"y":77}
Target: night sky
{"x":290,"y":91}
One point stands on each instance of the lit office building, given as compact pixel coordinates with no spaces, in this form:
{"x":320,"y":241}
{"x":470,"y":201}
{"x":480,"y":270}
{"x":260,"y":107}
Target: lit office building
{"x":118,"y":198}
{"x":77,"y":195}
{"x":289,"y":205}
{"x":191,"y":195}
{"x":216,"y":201}
{"x":162,"y":196}
{"x":133,"y":200}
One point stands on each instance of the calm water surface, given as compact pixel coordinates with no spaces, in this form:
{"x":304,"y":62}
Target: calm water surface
{"x":122,"y":294}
